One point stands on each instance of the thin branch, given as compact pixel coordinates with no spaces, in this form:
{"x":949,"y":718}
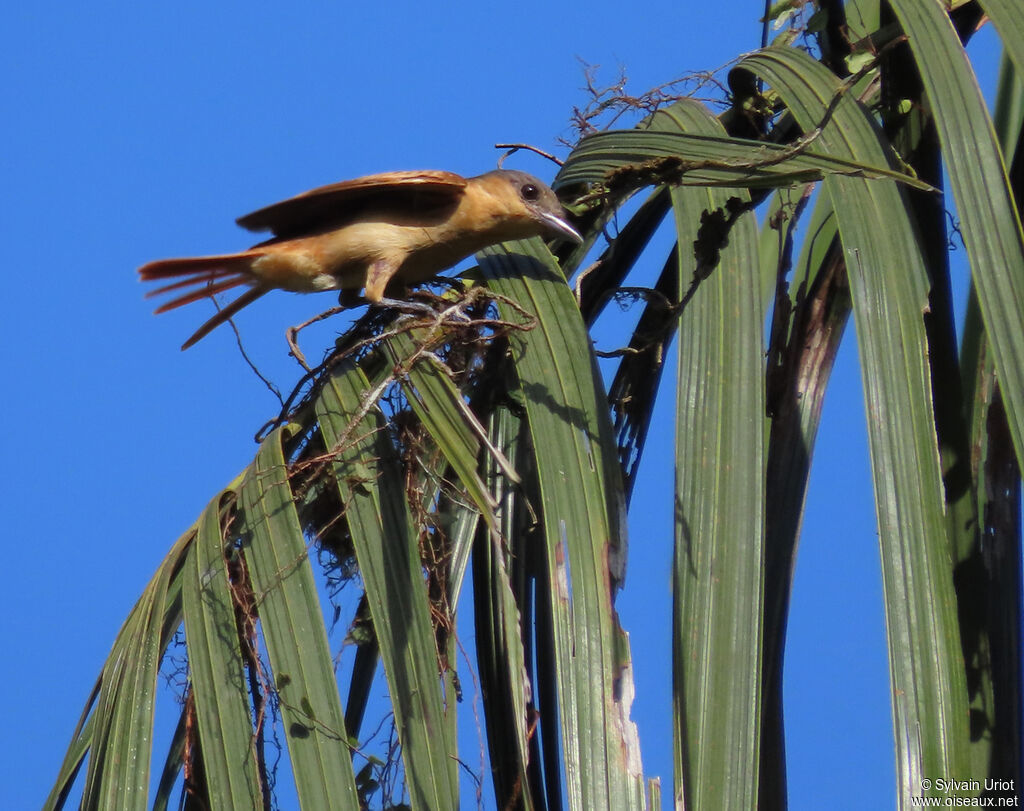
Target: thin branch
{"x":608,"y":104}
{"x":513,"y":148}
{"x":245,"y":356}
{"x":292,"y":335}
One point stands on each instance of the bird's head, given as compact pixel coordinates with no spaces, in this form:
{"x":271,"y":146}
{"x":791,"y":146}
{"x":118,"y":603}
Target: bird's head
{"x":530,"y":201}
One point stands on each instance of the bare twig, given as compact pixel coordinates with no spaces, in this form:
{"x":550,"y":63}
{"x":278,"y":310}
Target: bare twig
{"x":513,"y":148}
{"x":671,"y":169}
{"x":292,"y":334}
{"x":606,"y":105}
{"x":245,"y":356}
{"x":625,"y":296}
{"x":450,"y":317}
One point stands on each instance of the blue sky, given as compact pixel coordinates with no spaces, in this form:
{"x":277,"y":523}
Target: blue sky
{"x":139,"y":131}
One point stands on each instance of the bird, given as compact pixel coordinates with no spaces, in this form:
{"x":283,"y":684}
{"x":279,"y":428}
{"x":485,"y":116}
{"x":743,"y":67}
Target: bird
{"x":363,"y":234}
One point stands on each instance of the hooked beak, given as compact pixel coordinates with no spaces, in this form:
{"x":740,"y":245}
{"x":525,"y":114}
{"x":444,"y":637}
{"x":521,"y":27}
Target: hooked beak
{"x":561,"y":226}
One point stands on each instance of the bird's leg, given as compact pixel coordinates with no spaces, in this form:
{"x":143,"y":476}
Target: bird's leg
{"x":378,"y":275}
{"x":377,"y":278}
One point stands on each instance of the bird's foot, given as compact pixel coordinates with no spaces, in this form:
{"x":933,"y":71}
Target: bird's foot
{"x":441,"y":310}
{"x":405,"y":306}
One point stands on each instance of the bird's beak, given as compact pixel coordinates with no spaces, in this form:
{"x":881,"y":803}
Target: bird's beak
{"x":561,"y":226}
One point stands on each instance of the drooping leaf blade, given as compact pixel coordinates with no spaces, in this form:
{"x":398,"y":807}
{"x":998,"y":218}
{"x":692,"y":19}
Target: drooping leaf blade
{"x":580,"y":511}
{"x":217,"y":673}
{"x":370,"y":483}
{"x":293,"y":629}
{"x":626,"y":160}
{"x":719,"y":501}
{"x":929,"y":694}
{"x":989,"y":220}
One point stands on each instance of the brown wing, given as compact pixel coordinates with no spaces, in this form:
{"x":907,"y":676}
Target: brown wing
{"x":402,"y":192}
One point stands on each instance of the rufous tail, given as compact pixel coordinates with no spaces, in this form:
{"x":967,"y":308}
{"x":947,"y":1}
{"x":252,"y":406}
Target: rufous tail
{"x":204,"y":277}
{"x":222,"y":316}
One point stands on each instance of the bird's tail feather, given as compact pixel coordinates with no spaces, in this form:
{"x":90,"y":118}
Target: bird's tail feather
{"x":222,"y":316}
{"x":207,"y":289}
{"x":198,"y":265}
{"x":204,"y":277}
{"x":187,"y":282}
{"x":198,"y":277}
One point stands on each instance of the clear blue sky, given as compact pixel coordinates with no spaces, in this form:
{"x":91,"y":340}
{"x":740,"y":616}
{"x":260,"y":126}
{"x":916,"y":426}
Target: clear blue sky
{"x":137,"y":131}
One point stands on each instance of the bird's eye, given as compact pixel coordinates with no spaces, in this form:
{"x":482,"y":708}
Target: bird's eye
{"x":530,"y":192}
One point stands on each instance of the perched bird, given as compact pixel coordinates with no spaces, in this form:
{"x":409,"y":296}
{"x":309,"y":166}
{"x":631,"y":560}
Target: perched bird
{"x":364,"y":233}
